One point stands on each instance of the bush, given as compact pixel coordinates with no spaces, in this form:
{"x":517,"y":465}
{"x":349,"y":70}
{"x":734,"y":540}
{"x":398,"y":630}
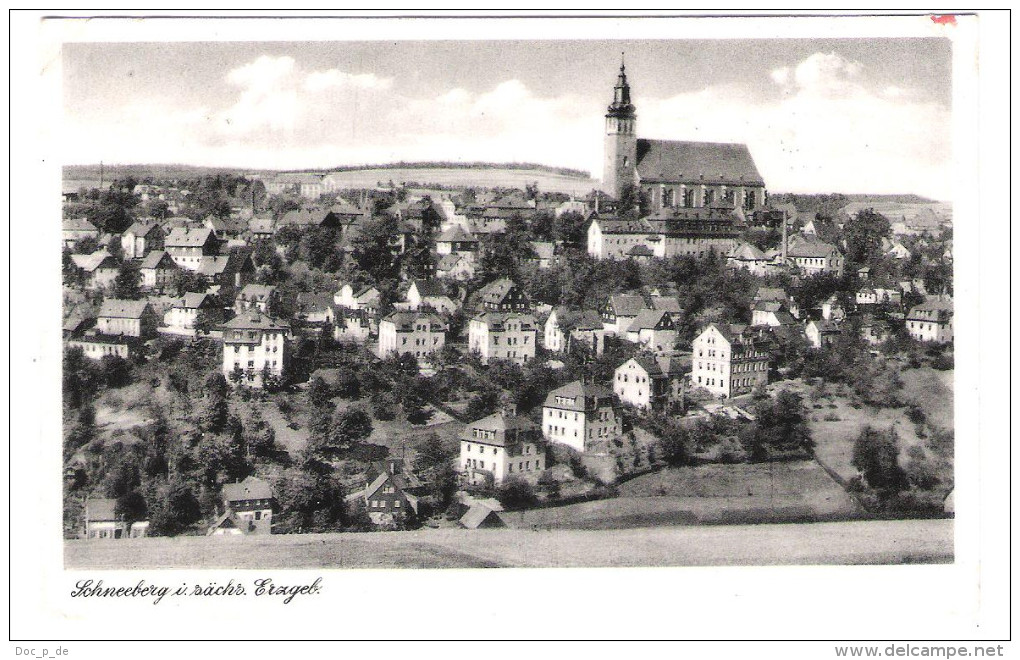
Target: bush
{"x":384,"y":406}
{"x":516,"y":493}
{"x":832,"y":417}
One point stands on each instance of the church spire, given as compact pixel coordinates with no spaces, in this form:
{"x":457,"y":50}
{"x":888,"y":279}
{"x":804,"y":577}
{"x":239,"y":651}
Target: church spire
{"x":621,"y":105}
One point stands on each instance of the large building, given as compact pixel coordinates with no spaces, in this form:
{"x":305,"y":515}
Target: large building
{"x":675,"y":174}
{"x":670,"y":232}
{"x":419,"y":334}
{"x":651,"y":383}
{"x":729,"y":360}
{"x":254,"y":346}
{"x":499,"y":446}
{"x":582,"y":416}
{"x":504,"y":336}
{"x":931,"y":321}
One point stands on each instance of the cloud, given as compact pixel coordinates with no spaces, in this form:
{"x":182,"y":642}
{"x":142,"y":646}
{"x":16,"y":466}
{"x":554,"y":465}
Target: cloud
{"x":827,"y":128}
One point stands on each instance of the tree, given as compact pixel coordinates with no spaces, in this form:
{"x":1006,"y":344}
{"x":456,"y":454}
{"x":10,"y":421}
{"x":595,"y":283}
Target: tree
{"x":320,"y":395}
{"x":348,"y":385}
{"x":116,"y":371}
{"x":780,"y":427}
{"x":863,"y":234}
{"x":214,"y":415}
{"x":675,"y":443}
{"x":516,"y":493}
{"x":344,"y":428}
{"x":131,"y":507}
{"x":876,"y":455}
{"x":128,"y":283}
{"x":175,"y":510}
{"x":81,"y":377}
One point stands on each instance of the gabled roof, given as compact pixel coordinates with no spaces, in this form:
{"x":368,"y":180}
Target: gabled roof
{"x":674,"y":365}
{"x":254,"y":320}
{"x":427,"y":288}
{"x":651,"y":366}
{"x":825,"y":326}
{"x":767,"y":306}
{"x":156,"y":259}
{"x":543,"y":249}
{"x":481,"y":515}
{"x":141,"y":228}
{"x":258,"y":291}
{"x":449,"y":261}
{"x":696,"y":162}
{"x":122,"y":309}
{"x":585,"y":396}
{"x":90,"y":262}
{"x":191,"y":301}
{"x":770,"y":293}
{"x":229,"y":520}
{"x":933,"y":310}
{"x":261,"y":225}
{"x":456,"y":234}
{"x":810,"y":250}
{"x":649,"y":319}
{"x":498,"y":423}
{"x":405,"y":321}
{"x":618,"y":226}
{"x":624,"y":304}
{"x":569,"y":319}
{"x":666,"y":304}
{"x":100,"y":509}
{"x":496,"y":320}
{"x":189,"y":237}
{"x":251,"y":488}
{"x":78,"y":224}
{"x":747,"y":252}
{"x":494,"y":292}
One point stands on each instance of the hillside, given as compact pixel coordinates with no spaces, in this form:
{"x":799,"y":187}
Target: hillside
{"x":863,"y":542}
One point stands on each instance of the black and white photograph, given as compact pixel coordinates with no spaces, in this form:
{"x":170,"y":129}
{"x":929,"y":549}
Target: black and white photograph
{"x":428,"y":296}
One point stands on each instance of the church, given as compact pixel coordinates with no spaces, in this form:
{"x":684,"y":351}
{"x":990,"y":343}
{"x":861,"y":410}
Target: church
{"x":698,"y":193}
{"x":675,"y":174}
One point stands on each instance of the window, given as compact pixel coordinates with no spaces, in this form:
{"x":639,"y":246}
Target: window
{"x":396,"y":504}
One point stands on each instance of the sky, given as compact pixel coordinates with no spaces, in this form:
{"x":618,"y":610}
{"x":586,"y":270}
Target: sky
{"x":841,"y":115}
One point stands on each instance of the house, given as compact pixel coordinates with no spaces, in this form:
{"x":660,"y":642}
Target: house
{"x":100,"y":269}
{"x":365,"y":298}
{"x":620,"y":311}
{"x":545,"y":253}
{"x":503,"y":296}
{"x":235,"y":269}
{"x":188,"y":247}
{"x":254,"y":348}
{"x":315,"y":310}
{"x":651,"y":383}
{"x":897,"y":251}
{"x":429,"y":295}
{"x":251,"y":501}
{"x":422,"y":335}
{"x":226,"y":228}
{"x":158,"y":270}
{"x":664,"y":303}
{"x":142,"y":238}
{"x":262,"y":297}
{"x":672,"y":232}
{"x":653,"y":329}
{"x":458,"y":267}
{"x":456,"y":240}
{"x":130,"y":318}
{"x":931,"y":321}
{"x":729,"y":360}
{"x":229,"y":523}
{"x":747,"y":257}
{"x":583,"y":416}
{"x":182,"y":317}
{"x":261,"y":229}
{"x":832,"y":309}
{"x":501,"y":445}
{"x":503,"y":335}
{"x":770,"y":313}
{"x":572,"y":206}
{"x":391,"y":492}
{"x":102,"y":521}
{"x":76,"y":229}
{"x":877,"y":296}
{"x":864,"y":273}
{"x":564,"y":326}
{"x":875,"y":331}
{"x":483,"y":515}
{"x":351,"y":326}
{"x":813,"y":257}
{"x":821,"y":333}
{"x":96,"y":346}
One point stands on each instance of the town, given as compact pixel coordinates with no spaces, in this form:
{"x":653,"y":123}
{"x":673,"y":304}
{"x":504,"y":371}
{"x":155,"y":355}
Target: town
{"x":284,"y":353}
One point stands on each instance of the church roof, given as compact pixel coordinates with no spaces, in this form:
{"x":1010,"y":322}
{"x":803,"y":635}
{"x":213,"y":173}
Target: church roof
{"x":696,"y":162}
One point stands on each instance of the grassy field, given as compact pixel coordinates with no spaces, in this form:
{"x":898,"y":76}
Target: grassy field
{"x":708,"y":494}
{"x":834,"y":437}
{"x":859,"y":542}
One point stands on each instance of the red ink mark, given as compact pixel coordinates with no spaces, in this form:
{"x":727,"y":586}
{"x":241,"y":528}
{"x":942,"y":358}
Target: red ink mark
{"x":947,"y":19}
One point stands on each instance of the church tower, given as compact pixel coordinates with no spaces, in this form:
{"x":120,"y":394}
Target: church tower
{"x":618,"y":169}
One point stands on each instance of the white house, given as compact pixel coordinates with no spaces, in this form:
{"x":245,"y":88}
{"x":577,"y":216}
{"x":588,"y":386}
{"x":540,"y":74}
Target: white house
{"x":729,"y":360}
{"x":419,"y":334}
{"x":931,"y":321}
{"x":650,"y":383}
{"x":254,"y":346}
{"x":582,"y":416}
{"x":821,"y":333}
{"x":499,"y":446}
{"x":654,"y":330}
{"x":565,"y":326}
{"x":502,"y":335}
